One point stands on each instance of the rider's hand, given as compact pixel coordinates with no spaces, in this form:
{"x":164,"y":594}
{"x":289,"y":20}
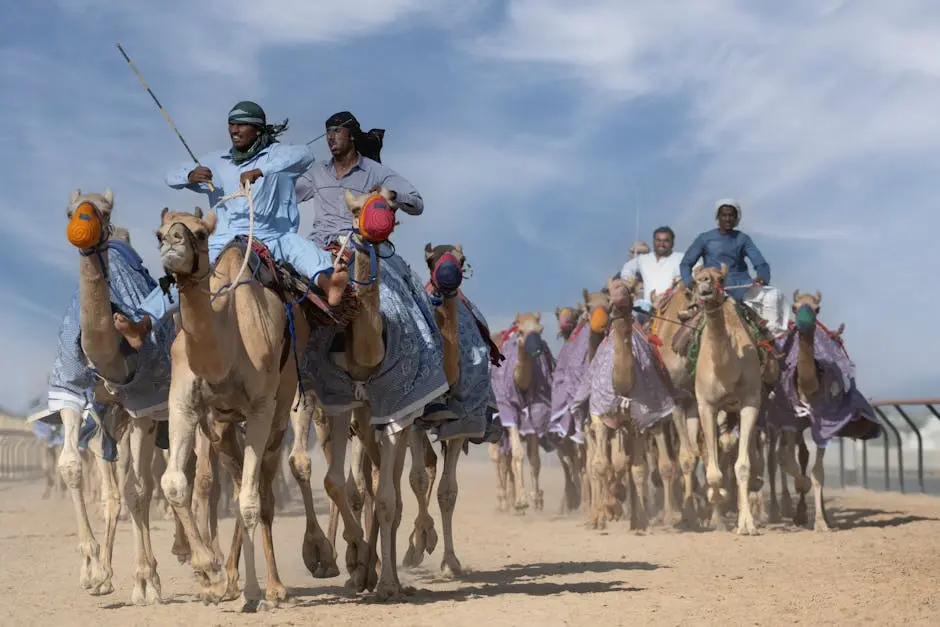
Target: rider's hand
{"x":377,"y":189}
{"x":201,"y":174}
{"x":251,"y":176}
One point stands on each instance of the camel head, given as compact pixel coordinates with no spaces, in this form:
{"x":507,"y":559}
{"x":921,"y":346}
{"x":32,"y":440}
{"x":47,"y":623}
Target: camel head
{"x":529,"y":327}
{"x":621,"y":296}
{"x":708,"y":284}
{"x":567,"y":318}
{"x":89,"y":218}
{"x":446,"y":265}
{"x":805,"y":311}
{"x":373,"y":213}
{"x":598,"y":308}
{"x":184,"y":241}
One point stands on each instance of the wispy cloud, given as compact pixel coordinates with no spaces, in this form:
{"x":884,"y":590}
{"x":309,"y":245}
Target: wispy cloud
{"x":536,"y":131}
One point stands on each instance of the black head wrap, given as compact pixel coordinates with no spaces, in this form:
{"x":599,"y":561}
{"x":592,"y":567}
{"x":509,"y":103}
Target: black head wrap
{"x":367,"y":144}
{"x":247,"y":112}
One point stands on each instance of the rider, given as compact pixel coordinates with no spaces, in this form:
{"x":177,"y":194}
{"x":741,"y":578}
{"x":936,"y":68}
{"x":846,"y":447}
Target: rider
{"x":256,"y":156}
{"x":729,"y":246}
{"x":656,"y":269}
{"x":326,"y":183}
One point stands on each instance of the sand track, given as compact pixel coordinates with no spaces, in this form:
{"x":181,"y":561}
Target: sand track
{"x":882,"y":565}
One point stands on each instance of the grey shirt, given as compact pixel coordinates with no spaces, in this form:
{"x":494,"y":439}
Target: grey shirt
{"x":331,"y":218}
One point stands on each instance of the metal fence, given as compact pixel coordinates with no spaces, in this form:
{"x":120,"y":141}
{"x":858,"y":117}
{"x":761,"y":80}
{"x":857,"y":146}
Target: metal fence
{"x":21,"y":455}
{"x":893,"y":412}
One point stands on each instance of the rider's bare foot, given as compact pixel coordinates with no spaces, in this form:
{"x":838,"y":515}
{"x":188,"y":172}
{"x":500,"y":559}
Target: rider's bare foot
{"x":335,"y":284}
{"x":134,"y":332}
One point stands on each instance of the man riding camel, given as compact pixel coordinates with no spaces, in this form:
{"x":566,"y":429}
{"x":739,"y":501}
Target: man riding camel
{"x":729,"y":246}
{"x":256,"y":156}
{"x":325,"y":184}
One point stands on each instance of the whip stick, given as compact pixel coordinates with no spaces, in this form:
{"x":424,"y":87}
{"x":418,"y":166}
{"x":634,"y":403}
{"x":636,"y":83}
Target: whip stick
{"x":160,"y":106}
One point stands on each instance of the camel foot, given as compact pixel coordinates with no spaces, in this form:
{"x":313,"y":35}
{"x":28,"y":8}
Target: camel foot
{"x":357,"y":563}
{"x":614,"y":510}
{"x":318,"y":557}
{"x":746,"y":527}
{"x":252,"y":606}
{"x":521,"y":506}
{"x":233,"y":590}
{"x":538,"y":500}
{"x":181,"y":549}
{"x":46,"y":494}
{"x":821,"y":525}
{"x":422,"y":540}
{"x":214,"y":585}
{"x":393,"y":592}
{"x":276,"y":594}
{"x":94,"y":576}
{"x":801,"y":517}
{"x":147,"y":589}
{"x":450,"y":566}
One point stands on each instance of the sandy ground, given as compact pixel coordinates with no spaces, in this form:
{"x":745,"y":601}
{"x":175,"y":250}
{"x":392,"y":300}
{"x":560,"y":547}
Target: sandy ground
{"x":882,"y":567}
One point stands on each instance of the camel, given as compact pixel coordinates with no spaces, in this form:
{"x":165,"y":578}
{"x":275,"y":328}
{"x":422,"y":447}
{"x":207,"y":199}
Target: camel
{"x":500,"y":452}
{"x":672,"y":326}
{"x":567,"y":426}
{"x":812,"y":393}
{"x":728,"y":377}
{"x":523,"y":393}
{"x":131,"y":383}
{"x":468,"y":355}
{"x":629,"y":402}
{"x":230,"y":365}
{"x":355,"y":383}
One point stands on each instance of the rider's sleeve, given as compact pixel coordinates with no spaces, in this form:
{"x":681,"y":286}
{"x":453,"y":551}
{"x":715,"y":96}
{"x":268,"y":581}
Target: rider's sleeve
{"x":406,"y":196}
{"x":177,"y":177}
{"x":292,"y":159}
{"x":631,"y":268}
{"x":761,"y":267}
{"x":694,"y":252}
{"x":304,"y":187}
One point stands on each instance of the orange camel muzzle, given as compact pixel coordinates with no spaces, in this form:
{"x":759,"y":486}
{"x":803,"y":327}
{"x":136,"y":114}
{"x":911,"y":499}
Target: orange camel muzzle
{"x":599,"y":320}
{"x":84,"y":229}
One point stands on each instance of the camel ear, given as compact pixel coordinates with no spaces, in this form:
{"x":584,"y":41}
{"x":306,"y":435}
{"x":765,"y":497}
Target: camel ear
{"x":428,"y":251}
{"x":586,"y":295}
{"x":796,"y":294}
{"x":723,"y":270}
{"x":459,"y":249}
{"x":163,"y":213}
{"x":818,"y":297}
{"x":73,"y":197}
{"x":211,"y":221}
{"x":109,"y":196}
{"x":198,"y":212}
{"x":558,"y":312}
{"x":538,"y":316}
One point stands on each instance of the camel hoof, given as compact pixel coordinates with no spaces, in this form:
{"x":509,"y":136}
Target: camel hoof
{"x":747,"y":528}
{"x":357,"y":563}
{"x":275,"y":595}
{"x":450,"y":567}
{"x":821,"y":526}
{"x":147,"y":590}
{"x":252,"y":606}
{"x":102,"y":589}
{"x":318,"y":557}
{"x":214,"y":583}
{"x":385,"y":593}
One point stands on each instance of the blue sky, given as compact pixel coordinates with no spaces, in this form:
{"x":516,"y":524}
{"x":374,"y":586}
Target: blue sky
{"x":535,"y":132}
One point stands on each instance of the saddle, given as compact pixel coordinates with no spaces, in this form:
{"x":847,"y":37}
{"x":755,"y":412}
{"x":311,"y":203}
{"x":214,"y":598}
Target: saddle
{"x":292,"y":288}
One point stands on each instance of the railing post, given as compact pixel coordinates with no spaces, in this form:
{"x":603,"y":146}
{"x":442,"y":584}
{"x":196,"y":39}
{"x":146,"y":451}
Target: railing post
{"x":865,"y":464}
{"x":841,"y":463}
{"x":897,"y":435}
{"x":920,"y":446}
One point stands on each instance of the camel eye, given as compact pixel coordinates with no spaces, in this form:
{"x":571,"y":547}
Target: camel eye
{"x":201,"y":235}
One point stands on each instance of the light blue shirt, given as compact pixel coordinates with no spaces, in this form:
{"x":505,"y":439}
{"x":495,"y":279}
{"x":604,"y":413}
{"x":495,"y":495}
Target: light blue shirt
{"x":273,"y":194}
{"x":331,"y":218}
{"x":732,"y":249}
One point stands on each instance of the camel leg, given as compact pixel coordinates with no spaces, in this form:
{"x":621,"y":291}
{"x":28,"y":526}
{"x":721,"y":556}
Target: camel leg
{"x":355,"y":484}
{"x":666,"y":463}
{"x":202,"y":491}
{"x":567,"y":455}
{"x":773,"y":437}
{"x":786,"y":501}
{"x":588,"y":485}
{"x":819,"y":479}
{"x":801,"y":517}
{"x":534,"y":455}
{"x":93,"y":576}
{"x":716,"y":492}
{"x":142,"y":434}
{"x":183,"y":418}
{"x":756,"y":481}
{"x":518,"y":452}
{"x":618,"y":493}
{"x":501,"y":462}
{"x":275,"y":591}
{"x":687,"y":462}
{"x":600,"y":467}
{"x":124,"y":478}
{"x":318,"y":553}
{"x":230,"y":454}
{"x":789,"y":465}
{"x":639,"y":473}
{"x":447,"y":501}
{"x":393,"y":448}
{"x":742,"y":469}
{"x":48,"y":468}
{"x":424,"y":537}
{"x":332,"y":434}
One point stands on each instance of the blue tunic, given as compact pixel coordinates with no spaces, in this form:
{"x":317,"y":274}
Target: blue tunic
{"x":732,"y":249}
